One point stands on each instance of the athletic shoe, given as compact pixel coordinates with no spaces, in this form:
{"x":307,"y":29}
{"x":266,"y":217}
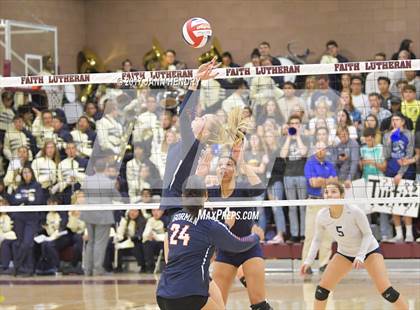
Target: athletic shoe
{"x":418,"y":239}
{"x":409,"y":239}
{"x":384,"y":239}
{"x":276,"y":240}
{"x":395,"y":240}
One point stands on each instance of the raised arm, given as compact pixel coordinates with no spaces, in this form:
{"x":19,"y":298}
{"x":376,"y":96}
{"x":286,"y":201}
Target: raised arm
{"x":221,"y":237}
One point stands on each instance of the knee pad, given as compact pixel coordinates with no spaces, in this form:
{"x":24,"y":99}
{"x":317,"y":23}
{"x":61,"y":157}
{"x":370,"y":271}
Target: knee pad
{"x":262,"y":306}
{"x":321,"y":293}
{"x":390,"y":294}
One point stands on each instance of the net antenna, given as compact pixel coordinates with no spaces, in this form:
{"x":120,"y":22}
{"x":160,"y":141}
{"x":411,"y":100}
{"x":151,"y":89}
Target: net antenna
{"x":13,"y":39}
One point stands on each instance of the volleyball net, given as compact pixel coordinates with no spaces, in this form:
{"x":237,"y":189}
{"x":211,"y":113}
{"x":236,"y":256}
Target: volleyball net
{"x":122,"y":124}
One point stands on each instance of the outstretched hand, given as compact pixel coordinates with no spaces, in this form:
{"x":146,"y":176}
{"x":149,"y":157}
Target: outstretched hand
{"x":205,"y":71}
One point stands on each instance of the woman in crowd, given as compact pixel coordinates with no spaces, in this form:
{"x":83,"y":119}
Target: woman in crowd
{"x":26,"y":224}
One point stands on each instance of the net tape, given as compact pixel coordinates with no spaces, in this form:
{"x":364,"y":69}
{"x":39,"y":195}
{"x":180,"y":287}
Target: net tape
{"x":409,"y":201}
{"x":139,"y":77}
{"x":145,"y":77}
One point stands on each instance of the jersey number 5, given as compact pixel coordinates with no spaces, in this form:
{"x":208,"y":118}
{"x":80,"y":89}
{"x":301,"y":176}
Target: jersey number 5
{"x":176,"y":228}
{"x":339,"y":231}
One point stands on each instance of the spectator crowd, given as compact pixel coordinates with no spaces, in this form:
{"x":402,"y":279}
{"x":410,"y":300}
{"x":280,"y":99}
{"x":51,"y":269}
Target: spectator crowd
{"x":302,"y":132}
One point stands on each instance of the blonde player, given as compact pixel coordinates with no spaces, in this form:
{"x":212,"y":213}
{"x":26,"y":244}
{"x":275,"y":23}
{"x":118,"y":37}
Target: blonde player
{"x":356,"y":248}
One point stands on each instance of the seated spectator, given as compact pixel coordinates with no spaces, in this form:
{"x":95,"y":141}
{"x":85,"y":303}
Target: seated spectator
{"x":153,"y":236}
{"x":270,"y":110}
{"x":306,"y":96}
{"x":360,"y":100}
{"x":332,"y":56}
{"x":227,"y":61}
{"x":7,"y":241}
{"x":396,"y":76}
{"x":159,"y":158}
{"x":344,"y":120}
{"x":211,"y":95}
{"x":324,"y":90}
{"x":129,"y":236}
{"x":84,"y":137}
{"x":255,"y":62}
{"x":398,"y":90}
{"x":376,"y":109}
{"x":254,"y":156}
{"x":322,"y":113}
{"x":410,"y":107}
{"x":12,"y":178}
{"x":396,"y":108}
{"x":16,"y":137}
{"x":398,"y":150}
{"x":385,"y":95}
{"x":92,"y":113}
{"x":295,"y":149}
{"x":263,"y":87}
{"x":109,"y":130}
{"x":6,"y":112}
{"x":372,"y":163}
{"x":290,"y":100}
{"x":26,"y":224}
{"x":171,"y":63}
{"x":371,"y":81}
{"x":345,"y":81}
{"x":61,"y":135}
{"x":346,"y":103}
{"x":42,"y":127}
{"x":239,"y":97}
{"x":346,"y":154}
{"x":127,"y":66}
{"x":406,"y":45}
{"x":45,"y":166}
{"x":264,"y":49}
{"x":412,"y":79}
{"x":372,"y":122}
{"x":70,"y":174}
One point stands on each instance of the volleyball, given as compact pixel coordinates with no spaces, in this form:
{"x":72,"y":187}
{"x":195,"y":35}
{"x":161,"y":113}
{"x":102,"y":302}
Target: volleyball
{"x":196,"y":32}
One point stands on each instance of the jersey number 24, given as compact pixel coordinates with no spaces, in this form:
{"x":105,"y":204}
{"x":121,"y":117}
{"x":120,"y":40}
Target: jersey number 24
{"x":179,"y":234}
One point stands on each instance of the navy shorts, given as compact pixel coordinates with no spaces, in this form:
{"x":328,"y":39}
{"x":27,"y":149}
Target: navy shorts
{"x":237,"y":259}
{"x":351,"y":258}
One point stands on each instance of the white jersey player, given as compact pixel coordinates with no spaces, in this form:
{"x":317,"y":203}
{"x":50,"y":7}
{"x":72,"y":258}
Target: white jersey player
{"x":357,"y":248}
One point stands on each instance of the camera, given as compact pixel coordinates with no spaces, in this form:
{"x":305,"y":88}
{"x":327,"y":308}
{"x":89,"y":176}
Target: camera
{"x":292,"y":131}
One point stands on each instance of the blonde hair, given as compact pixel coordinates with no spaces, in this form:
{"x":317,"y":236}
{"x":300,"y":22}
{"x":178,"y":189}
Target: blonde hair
{"x":237,"y":126}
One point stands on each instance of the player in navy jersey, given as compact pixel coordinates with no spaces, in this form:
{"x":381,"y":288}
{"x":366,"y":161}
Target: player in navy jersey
{"x":191,"y":242}
{"x":195,"y":133}
{"x":228,"y":262}
{"x":357,"y":247}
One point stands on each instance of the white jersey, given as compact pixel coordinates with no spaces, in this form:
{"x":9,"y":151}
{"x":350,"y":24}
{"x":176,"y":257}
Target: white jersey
{"x":351,"y":231}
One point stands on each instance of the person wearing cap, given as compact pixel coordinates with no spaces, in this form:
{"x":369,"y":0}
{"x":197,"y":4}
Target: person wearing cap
{"x":395,"y":108}
{"x":398,"y":150}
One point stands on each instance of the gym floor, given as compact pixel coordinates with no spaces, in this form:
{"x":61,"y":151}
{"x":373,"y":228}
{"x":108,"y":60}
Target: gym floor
{"x":285,"y":290}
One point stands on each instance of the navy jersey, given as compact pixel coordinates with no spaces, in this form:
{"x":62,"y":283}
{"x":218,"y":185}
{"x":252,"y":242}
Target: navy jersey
{"x":27,"y":194}
{"x":242,"y":191}
{"x":191,"y":245}
{"x":182,"y":156}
